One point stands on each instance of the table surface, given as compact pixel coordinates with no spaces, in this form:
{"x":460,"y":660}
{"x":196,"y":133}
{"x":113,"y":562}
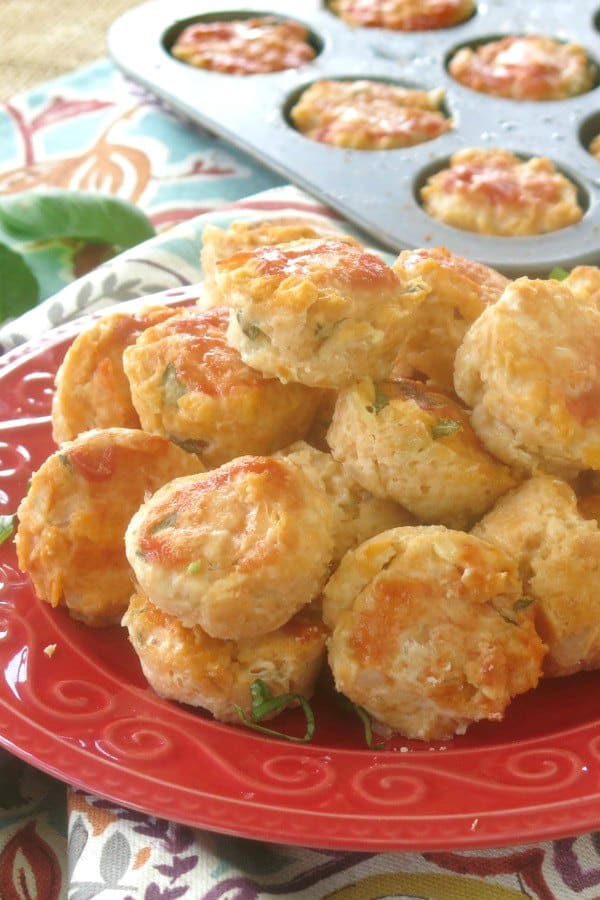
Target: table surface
{"x":67,"y":35}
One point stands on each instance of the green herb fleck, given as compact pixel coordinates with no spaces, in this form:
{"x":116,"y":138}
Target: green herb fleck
{"x":194,"y":567}
{"x":558,"y":274}
{"x":363,"y":715}
{"x":444,"y":427}
{"x":380,"y":401}
{"x":523,"y":603}
{"x":252,"y":332}
{"x":264,"y":703}
{"x":164,"y":523}
{"x":7,"y":526}
{"x":173,"y":387}
{"x":191,"y":445}
{"x":66,"y":461}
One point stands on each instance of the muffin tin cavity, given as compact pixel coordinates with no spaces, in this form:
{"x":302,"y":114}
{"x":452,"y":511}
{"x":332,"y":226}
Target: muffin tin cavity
{"x":378,"y":191}
{"x":589,"y":135}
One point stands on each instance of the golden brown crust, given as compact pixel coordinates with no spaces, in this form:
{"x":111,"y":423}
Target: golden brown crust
{"x":190,"y":385}
{"x":429,"y":631}
{"x":237,"y":550}
{"x":530,"y":67}
{"x":189,"y":666}
{"x":413,"y":444}
{"x":495,"y":192}
{"x":528,"y":367}
{"x":459,"y":291}
{"x":72,"y":521}
{"x":557,"y":549}
{"x":244,"y":46}
{"x":369,"y":115}
{"x":92,"y":390}
{"x":320,"y":312}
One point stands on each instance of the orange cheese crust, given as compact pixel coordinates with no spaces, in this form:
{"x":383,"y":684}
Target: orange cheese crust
{"x":403,"y":15}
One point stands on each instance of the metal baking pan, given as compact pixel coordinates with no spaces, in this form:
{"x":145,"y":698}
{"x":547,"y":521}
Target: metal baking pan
{"x":378,"y":190}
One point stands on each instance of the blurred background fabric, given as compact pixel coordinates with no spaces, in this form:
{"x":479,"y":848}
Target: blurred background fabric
{"x":42,"y":39}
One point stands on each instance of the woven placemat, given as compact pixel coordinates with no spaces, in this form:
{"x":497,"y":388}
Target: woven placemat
{"x":42,"y":39}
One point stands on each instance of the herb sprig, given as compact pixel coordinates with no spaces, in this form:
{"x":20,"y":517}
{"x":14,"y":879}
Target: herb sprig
{"x":264,"y":704}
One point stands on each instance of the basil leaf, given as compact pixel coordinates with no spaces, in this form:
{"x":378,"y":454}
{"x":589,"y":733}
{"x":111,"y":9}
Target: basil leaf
{"x":364,"y":717}
{"x":558,"y":274}
{"x":55,"y":213}
{"x":264,"y":703}
{"x":19,"y":290}
{"x":7,"y":526}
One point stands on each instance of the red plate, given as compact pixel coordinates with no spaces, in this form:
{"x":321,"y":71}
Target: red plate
{"x":86,"y":715}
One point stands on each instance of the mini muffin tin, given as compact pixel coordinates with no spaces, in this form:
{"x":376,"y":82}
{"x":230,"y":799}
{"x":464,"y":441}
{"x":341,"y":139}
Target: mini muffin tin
{"x":378,"y":190}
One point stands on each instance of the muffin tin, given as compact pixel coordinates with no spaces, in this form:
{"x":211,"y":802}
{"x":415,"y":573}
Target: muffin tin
{"x":378,"y":190}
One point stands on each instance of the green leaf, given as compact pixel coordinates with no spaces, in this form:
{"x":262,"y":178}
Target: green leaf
{"x":55,"y":213}
{"x":7,"y":526}
{"x":558,"y":274}
{"x":364,"y":717}
{"x":19,"y":290}
{"x":264,"y":703}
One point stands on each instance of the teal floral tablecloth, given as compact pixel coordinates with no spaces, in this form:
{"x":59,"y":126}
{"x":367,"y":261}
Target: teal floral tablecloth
{"x":95,"y":131}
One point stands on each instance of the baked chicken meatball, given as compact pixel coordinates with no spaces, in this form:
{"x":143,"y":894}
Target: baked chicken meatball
{"x":409,"y":442}
{"x":244,"y":46}
{"x":72,"y":521}
{"x":430,"y":631}
{"x":357,"y":514}
{"x":221,"y":243}
{"x":403,"y":15}
{"x":528,"y":368}
{"x":495,"y":192}
{"x":369,"y":115}
{"x":190,"y":385}
{"x":525,"y":67}
{"x":558,"y":553}
{"x":237,"y":550}
{"x":189,"y":666}
{"x":459,"y":291}
{"x":321,"y":312}
{"x":92,"y":390}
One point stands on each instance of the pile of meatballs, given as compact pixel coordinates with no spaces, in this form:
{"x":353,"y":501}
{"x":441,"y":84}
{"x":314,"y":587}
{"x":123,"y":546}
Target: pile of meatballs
{"x":328,"y":460}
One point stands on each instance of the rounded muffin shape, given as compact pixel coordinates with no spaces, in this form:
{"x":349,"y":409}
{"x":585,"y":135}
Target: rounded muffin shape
{"x":403,"y":15}
{"x":92,"y":390}
{"x":237,"y":550}
{"x":357,"y":514}
{"x":189,"y":666}
{"x":189,"y":384}
{"x":72,"y":521}
{"x":558,"y":553}
{"x":495,"y":192}
{"x":245,"y":46}
{"x":221,"y":243}
{"x":430,"y":631}
{"x":459,"y":291}
{"x":528,"y":369}
{"x":409,"y":442}
{"x":584,"y":282}
{"x":321,"y":312}
{"x":369,"y":115}
{"x":525,"y":67}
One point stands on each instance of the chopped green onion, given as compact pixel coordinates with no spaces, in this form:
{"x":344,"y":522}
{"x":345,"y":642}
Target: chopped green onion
{"x":444,"y":427}
{"x":164,"y":523}
{"x":252,"y":332}
{"x":190,"y":445}
{"x":7,"y":526}
{"x":264,"y":703}
{"x":363,"y":715}
{"x":523,"y":603}
{"x":173,"y":387}
{"x":194,"y":567}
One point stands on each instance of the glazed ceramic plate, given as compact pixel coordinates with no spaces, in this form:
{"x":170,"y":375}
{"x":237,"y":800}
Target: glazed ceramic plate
{"x":86,"y":715}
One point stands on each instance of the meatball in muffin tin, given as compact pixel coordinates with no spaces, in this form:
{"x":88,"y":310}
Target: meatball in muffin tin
{"x":384,"y":95}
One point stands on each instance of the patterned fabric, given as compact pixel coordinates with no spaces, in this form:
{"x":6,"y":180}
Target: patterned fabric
{"x":93,"y":130}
